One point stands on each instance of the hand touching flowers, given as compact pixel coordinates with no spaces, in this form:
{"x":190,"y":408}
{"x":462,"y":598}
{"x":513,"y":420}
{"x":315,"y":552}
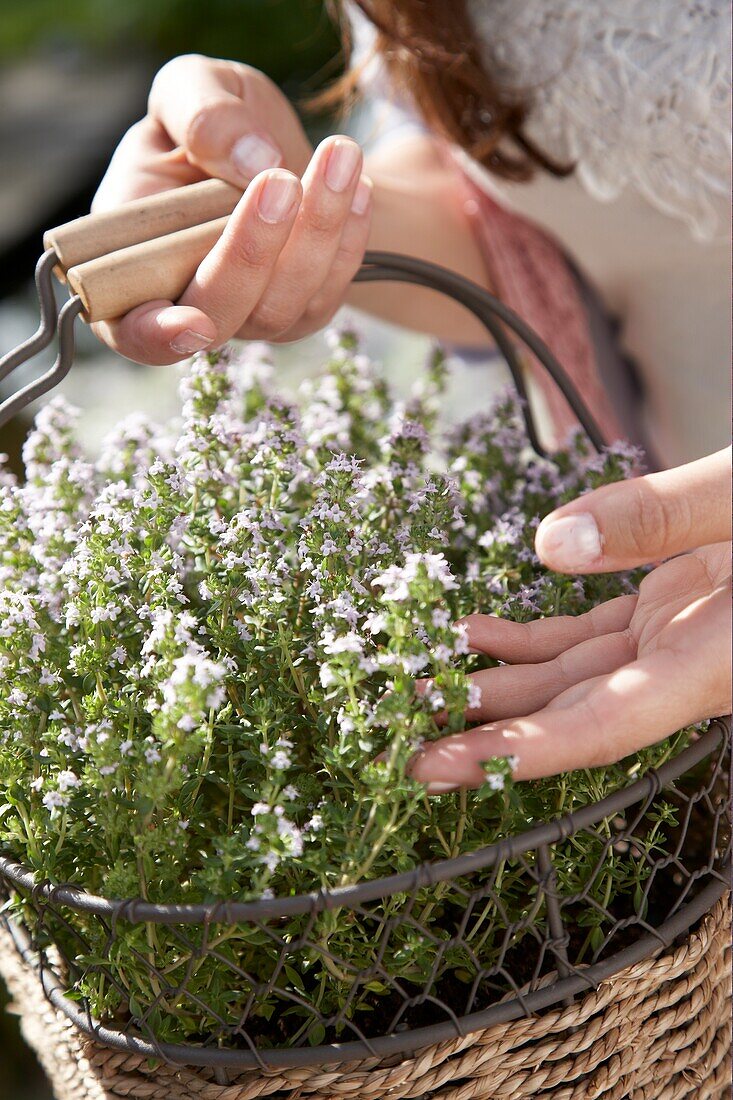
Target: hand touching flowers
{"x":585,"y":691}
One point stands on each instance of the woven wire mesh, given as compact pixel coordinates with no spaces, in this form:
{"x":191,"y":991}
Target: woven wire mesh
{"x":482,"y":938}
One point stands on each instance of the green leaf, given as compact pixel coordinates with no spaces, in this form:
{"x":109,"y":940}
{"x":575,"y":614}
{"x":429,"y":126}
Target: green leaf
{"x":316,"y":1035}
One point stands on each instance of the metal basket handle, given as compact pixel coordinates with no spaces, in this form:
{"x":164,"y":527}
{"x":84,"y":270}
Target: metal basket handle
{"x":496,"y":317}
{"x":149,"y":248}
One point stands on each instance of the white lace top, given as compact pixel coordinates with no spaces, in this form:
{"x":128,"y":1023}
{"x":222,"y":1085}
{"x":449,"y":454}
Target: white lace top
{"x":636,"y":94}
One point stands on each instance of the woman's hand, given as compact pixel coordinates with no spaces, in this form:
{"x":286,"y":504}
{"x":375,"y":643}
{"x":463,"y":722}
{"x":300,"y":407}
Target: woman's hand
{"x":599,"y":686}
{"x":291,"y":248}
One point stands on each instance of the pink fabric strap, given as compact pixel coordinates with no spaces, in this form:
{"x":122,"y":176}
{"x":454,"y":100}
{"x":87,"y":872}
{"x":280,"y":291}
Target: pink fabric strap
{"x":528,"y":271}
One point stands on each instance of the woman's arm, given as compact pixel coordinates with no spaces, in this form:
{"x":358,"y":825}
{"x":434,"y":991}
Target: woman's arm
{"x":286,"y":260}
{"x":419,"y":210}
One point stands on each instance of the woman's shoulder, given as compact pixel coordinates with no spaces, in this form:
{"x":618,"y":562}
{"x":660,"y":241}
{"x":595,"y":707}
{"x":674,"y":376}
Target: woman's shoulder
{"x":634,"y":92}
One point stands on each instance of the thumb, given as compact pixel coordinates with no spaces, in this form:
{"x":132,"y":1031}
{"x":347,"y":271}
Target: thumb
{"x":641,"y":520}
{"x":230,"y":120}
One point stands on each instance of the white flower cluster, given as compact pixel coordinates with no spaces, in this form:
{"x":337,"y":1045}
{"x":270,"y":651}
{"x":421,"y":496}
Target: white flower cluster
{"x":220,"y":645}
{"x":397,"y":580}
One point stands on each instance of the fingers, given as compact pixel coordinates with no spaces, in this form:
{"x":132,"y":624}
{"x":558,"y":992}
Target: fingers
{"x":145,"y":162}
{"x":231,"y":120}
{"x":513,"y":690}
{"x":206,"y":117}
{"x":347,"y":262}
{"x":601,"y":720}
{"x":159,"y":332}
{"x":641,"y":520}
{"x":227,"y":285}
{"x":592,"y":731}
{"x":319,"y":258}
{"x":543,"y":639}
{"x":280,"y":270}
{"x":233,"y":277}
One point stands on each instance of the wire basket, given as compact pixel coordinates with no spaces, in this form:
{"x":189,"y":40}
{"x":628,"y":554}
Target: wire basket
{"x":541,"y":955}
{"x":538,"y":965}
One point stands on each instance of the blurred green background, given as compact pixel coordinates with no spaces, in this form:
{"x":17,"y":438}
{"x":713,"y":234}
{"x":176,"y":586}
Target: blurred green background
{"x":291,"y":40}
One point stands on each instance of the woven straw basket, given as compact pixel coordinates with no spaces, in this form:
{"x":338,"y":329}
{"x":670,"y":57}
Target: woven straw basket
{"x":659,"y":1030}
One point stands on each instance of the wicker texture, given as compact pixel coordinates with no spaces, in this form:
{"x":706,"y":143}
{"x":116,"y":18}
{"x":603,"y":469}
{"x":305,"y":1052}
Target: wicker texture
{"x":659,"y":1030}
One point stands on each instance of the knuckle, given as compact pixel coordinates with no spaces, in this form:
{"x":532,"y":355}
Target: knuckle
{"x":648,"y":520}
{"x":183,"y":61}
{"x":250,"y":252}
{"x":270,"y":319}
{"x":636,"y":526}
{"x":250,"y":79}
{"x":348,"y":258}
{"x":138,"y":129}
{"x":322,"y":222}
{"x":680,"y":517}
{"x":605,"y":743}
{"x":319,"y":313}
{"x":561,"y":672}
{"x":200,"y":135}
{"x":529,"y":640}
{"x":316,"y":308}
{"x":653,"y":521}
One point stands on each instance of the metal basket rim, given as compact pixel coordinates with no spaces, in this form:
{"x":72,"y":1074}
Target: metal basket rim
{"x":138,"y":911}
{"x":225,"y":1060}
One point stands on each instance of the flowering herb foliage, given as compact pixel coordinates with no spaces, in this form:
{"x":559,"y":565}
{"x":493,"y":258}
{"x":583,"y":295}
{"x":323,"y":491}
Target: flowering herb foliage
{"x":209,"y":641}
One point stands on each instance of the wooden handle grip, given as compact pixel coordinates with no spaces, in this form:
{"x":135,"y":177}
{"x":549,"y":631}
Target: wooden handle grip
{"x":110,"y":285}
{"x":140,"y":220}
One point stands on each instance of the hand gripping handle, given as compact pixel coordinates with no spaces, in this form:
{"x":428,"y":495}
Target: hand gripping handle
{"x":150,"y":248}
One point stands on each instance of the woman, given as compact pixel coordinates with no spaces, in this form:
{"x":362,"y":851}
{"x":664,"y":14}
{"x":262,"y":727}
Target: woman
{"x":608,"y":126}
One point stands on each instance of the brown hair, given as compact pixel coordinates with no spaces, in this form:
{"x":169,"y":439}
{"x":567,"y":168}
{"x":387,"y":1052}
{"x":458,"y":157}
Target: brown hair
{"x":430,"y":49}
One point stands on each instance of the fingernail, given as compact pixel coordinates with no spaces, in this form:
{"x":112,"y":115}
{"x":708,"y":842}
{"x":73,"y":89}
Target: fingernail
{"x":441,"y":788}
{"x":344,"y":158}
{"x":570,"y":542}
{"x":362,"y":196}
{"x":253,"y":153}
{"x":277,"y":195}
{"x":188,"y":342}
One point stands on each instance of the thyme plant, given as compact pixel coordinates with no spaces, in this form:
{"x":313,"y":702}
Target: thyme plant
{"x":209,"y":641}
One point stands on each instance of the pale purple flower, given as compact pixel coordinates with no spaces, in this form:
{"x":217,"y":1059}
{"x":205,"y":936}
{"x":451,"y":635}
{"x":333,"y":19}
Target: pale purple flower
{"x":474,"y":699}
